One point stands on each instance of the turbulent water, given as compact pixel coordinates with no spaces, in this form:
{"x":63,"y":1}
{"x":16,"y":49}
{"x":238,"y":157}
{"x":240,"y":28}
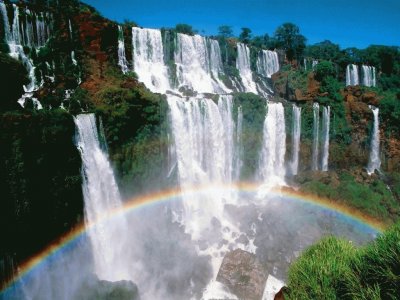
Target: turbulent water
{"x":122,"y":61}
{"x":374,"y":158}
{"x":272,"y":158}
{"x":368,"y":75}
{"x":148,"y":59}
{"x":243,"y":65}
{"x":315,"y":145}
{"x":267,"y":63}
{"x":326,"y":115}
{"x":101,"y":198}
{"x":352,"y":77}
{"x":296,"y":132}
{"x":30,"y":30}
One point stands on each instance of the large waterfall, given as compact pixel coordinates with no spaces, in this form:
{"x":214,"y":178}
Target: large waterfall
{"x":326,"y":114}
{"x":315,"y":145}
{"x":374,"y":159}
{"x":122,"y":61}
{"x":243,"y":65}
{"x":195,"y":64}
{"x":296,"y":132}
{"x":101,"y":196}
{"x":267,"y":63}
{"x":368,"y":75}
{"x":148,"y":59}
{"x":352,"y":77}
{"x":272,"y":158}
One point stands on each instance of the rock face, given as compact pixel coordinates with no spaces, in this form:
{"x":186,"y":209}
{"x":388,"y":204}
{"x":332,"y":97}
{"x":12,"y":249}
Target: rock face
{"x":243,"y":275}
{"x":94,"y":289}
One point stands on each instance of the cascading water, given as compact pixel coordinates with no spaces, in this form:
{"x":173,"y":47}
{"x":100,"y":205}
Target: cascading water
{"x":272,"y":159}
{"x":352,"y":77}
{"x":368,"y":75}
{"x":239,"y":132}
{"x":101,"y":196}
{"x":243,"y":65}
{"x":122,"y":61}
{"x":326,"y":113}
{"x":267,"y":63}
{"x":296,"y":132}
{"x":195,"y":64}
{"x":315,"y":146}
{"x":33,"y":32}
{"x":148,"y":59}
{"x":374,"y":159}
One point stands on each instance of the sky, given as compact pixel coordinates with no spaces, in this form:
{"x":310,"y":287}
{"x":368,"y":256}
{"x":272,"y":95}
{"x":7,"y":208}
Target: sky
{"x":349,"y":23}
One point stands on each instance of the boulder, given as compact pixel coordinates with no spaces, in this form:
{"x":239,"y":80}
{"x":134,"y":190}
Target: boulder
{"x":243,"y":275}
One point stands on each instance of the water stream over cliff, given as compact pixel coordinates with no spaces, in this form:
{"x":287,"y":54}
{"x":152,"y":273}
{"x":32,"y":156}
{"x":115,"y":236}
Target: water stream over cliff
{"x":374,"y":156}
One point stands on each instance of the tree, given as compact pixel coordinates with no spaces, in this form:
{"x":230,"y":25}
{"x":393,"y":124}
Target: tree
{"x":185,"y":28}
{"x":245,"y":35}
{"x":324,"y":50}
{"x":289,"y":38}
{"x":225,"y":31}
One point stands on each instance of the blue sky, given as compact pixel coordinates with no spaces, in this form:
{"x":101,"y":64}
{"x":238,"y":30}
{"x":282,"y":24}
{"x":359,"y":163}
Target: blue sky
{"x":349,"y":23}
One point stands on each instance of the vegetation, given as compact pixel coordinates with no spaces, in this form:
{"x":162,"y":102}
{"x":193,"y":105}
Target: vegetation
{"x":185,"y":28}
{"x":289,"y":38}
{"x":335,"y":269}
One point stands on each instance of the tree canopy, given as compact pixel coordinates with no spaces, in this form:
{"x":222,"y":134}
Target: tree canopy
{"x":289,"y":38}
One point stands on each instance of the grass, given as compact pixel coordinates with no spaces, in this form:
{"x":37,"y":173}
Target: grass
{"x":335,"y":269}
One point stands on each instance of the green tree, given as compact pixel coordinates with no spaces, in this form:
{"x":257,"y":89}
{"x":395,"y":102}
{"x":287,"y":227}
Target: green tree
{"x":323,"y":50}
{"x":245,"y":35}
{"x":225,"y":31}
{"x":185,"y":28}
{"x":289,"y":38}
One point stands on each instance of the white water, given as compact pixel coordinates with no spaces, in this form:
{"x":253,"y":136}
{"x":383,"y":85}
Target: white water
{"x":296,"y":132}
{"x":352,"y":77}
{"x":243,"y":65}
{"x":101,"y":196}
{"x":267,"y":63}
{"x":148,"y":59}
{"x":315,"y":146}
{"x":272,"y":158}
{"x":122,"y":61}
{"x":374,"y":159}
{"x":368,"y":75}
{"x":326,"y":114}
{"x":17,"y":38}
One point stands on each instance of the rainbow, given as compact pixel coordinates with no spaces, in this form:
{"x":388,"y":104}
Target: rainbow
{"x":147,"y":200}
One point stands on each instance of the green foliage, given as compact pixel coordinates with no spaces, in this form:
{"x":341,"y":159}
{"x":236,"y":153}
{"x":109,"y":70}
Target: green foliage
{"x":321,"y":271}
{"x":14,"y":76}
{"x":373,"y":199}
{"x":323,"y":70}
{"x":288,"y":37}
{"x":389,"y":110}
{"x":335,"y":269}
{"x":40,"y":180}
{"x":245,"y":35}
{"x":324,"y":50}
{"x":225,"y":31}
{"x":185,"y":28}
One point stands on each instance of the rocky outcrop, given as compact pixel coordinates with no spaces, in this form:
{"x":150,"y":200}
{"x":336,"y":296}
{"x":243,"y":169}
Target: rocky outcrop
{"x":243,"y":275}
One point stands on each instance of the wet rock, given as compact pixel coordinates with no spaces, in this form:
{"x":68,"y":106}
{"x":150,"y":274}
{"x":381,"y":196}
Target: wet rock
{"x":243,"y":275}
{"x":273,"y":289}
{"x":95,"y":289}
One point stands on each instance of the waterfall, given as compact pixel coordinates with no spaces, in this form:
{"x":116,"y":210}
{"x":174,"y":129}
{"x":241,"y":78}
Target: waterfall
{"x":296,"y":132}
{"x":204,"y":138}
{"x":197,"y":67}
{"x":267,"y":63}
{"x":148,"y":59}
{"x":315,"y":146}
{"x":239,"y":152}
{"x":216,"y":65}
{"x":101,"y":196}
{"x":352,"y":75}
{"x":314,"y":64}
{"x":22,"y":34}
{"x":272,"y":158}
{"x":368,"y":75}
{"x":243,"y":65}
{"x":122,"y":62}
{"x":326,"y":114}
{"x":374,"y":159}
